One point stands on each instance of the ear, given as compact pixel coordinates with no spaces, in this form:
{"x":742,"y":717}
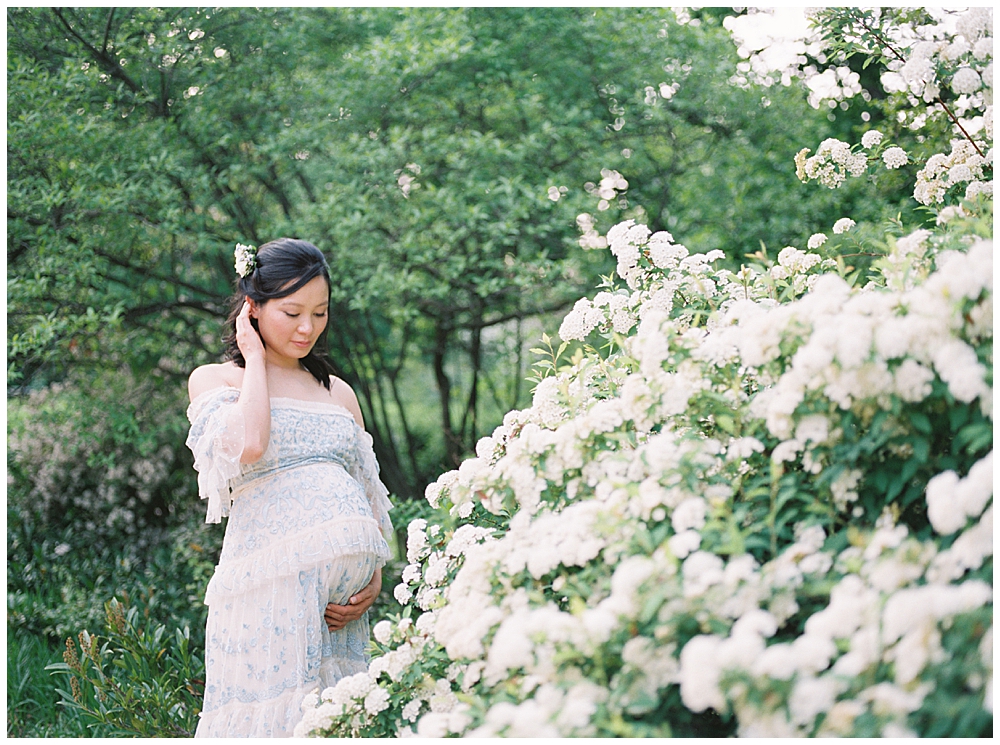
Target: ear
{"x":254,"y":308}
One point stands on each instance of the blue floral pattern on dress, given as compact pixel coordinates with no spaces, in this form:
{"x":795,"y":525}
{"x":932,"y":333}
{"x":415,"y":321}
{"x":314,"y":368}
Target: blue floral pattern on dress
{"x":305,"y":529}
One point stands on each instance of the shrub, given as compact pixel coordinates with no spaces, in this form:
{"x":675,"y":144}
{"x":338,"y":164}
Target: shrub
{"x":103,"y":457}
{"x":140,"y":680}
{"x":763,"y":508}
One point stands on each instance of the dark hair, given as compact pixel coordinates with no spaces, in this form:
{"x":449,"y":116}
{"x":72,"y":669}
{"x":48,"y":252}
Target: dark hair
{"x":282,"y":267}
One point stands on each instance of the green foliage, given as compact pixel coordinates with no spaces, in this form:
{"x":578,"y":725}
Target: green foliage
{"x":419,"y":148}
{"x":99,"y":458}
{"x":955,"y":708}
{"x":33,"y":708}
{"x":58,"y":584}
{"x":139,"y":680}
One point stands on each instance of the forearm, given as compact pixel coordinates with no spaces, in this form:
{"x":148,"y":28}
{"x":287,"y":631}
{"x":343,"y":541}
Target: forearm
{"x":255,"y":403}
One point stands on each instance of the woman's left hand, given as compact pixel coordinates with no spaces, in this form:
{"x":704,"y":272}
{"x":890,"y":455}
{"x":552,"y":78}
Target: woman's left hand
{"x":338,"y":616}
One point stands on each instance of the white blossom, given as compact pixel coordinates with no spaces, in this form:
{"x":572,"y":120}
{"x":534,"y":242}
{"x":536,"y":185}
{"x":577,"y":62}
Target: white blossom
{"x":843,"y":225}
{"x":871,"y":138}
{"x":816,"y":240}
{"x":895,"y":157}
{"x":966,"y":80}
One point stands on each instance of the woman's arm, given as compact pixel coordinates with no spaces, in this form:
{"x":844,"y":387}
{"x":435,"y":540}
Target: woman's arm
{"x":254,"y":398}
{"x":254,"y":401}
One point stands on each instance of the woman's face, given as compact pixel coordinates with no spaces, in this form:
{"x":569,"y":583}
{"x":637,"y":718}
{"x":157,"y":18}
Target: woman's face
{"x":291,"y":325}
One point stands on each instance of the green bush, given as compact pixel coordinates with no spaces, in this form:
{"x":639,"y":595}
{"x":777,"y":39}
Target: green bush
{"x":101,"y":459}
{"x":139,"y":680}
{"x":54,"y":591}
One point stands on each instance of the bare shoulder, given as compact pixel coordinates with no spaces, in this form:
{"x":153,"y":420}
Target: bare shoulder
{"x":208,"y":377}
{"x":343,"y":395}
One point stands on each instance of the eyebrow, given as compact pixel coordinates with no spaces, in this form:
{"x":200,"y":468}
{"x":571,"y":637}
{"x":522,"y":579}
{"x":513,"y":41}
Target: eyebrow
{"x":285,"y":302}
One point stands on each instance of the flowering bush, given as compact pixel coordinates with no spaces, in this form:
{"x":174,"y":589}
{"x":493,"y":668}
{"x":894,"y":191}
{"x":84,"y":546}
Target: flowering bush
{"x":763,"y":508}
{"x":112,"y":471}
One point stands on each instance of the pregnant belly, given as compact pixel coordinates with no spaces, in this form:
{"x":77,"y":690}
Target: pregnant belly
{"x":306,"y":503}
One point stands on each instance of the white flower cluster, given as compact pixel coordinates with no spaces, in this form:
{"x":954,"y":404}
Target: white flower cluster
{"x":878,"y":614}
{"x":947,"y":53}
{"x":609,"y":188}
{"x":657,"y":270}
{"x":868,"y":348}
{"x":952,"y":500}
{"x":963,"y":165}
{"x":246,"y":259}
{"x":745,"y":506}
{"x":589,"y":237}
{"x":354,"y":702}
{"x":871,"y":139}
{"x":961,"y":51}
{"x":965,"y":54}
{"x":895,"y":157}
{"x":832,"y":163}
{"x":843,"y":225}
{"x":661,"y":274}
{"x":909,"y":261}
{"x":507,"y":611}
{"x":793,"y":261}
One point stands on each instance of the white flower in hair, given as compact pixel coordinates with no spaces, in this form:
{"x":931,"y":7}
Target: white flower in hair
{"x":246,"y":259}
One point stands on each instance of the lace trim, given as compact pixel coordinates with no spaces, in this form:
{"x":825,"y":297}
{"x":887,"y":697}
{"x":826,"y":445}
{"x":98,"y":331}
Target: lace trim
{"x":327,"y":543}
{"x":277,"y":716}
{"x":367,"y":474}
{"x":216,"y":439}
{"x":205,"y":395}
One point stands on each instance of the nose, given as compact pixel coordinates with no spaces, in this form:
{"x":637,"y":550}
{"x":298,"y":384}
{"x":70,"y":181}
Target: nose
{"x":306,"y":326}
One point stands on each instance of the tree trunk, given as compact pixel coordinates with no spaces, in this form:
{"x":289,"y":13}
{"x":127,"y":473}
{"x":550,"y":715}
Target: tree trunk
{"x":451,"y":443}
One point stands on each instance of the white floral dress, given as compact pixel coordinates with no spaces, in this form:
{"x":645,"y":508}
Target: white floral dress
{"x":307,"y":526}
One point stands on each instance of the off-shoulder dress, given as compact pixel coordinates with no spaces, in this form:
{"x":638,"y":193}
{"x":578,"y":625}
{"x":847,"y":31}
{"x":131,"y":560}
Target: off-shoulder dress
{"x":307,"y":526}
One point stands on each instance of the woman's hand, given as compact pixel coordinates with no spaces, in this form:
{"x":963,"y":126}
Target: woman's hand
{"x":338,"y":616}
{"x":247,"y":338}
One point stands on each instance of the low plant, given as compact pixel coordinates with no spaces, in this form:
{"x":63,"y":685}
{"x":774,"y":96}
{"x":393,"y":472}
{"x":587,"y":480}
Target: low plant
{"x":138,"y":680}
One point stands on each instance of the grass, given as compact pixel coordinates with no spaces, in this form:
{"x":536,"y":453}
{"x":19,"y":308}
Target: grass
{"x":33,"y":708}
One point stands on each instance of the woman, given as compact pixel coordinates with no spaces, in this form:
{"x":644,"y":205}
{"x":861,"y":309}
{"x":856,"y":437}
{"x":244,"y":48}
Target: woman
{"x":280,"y":448}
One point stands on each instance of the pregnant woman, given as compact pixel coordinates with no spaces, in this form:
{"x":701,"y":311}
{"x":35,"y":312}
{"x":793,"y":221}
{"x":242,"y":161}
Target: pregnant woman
{"x":280,"y":448}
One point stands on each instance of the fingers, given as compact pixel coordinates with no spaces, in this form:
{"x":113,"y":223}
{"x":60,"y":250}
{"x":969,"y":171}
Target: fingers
{"x":371,"y":590}
{"x":338,"y":616}
{"x":243,"y":318}
{"x":366,"y":595}
{"x":247,"y":338}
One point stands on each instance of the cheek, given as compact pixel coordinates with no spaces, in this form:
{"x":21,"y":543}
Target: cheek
{"x":270,"y":325}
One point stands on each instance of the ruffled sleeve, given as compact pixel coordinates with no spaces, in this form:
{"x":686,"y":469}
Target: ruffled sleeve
{"x":216,"y":439}
{"x":366,"y":473}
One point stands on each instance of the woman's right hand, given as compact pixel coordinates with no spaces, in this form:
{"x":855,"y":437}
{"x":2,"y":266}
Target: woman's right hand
{"x":247,"y":338}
